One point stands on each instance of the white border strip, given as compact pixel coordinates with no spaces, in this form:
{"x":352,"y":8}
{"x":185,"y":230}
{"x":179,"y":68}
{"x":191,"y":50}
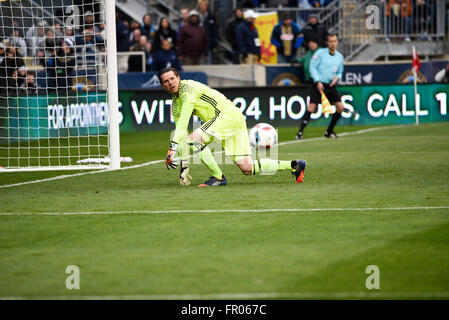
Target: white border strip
{"x":160,"y":161}
{"x":221,"y":211}
{"x":248,"y":296}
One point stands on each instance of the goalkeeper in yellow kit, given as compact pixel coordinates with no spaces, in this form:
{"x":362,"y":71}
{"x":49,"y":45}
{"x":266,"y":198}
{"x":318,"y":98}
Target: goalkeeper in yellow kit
{"x":223,"y":121}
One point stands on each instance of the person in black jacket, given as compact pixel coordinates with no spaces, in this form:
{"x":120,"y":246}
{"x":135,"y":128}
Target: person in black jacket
{"x":165,"y":58}
{"x":164,"y":32}
{"x":230,"y":33}
{"x":12,"y":71}
{"x":64,"y":65}
{"x":122,"y":34}
{"x":209,"y":22}
{"x":314,"y":30}
{"x":147,"y":28}
{"x":248,"y":38}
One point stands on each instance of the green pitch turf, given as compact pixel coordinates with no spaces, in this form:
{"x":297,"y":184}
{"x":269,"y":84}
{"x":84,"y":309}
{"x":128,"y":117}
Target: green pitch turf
{"x":256,"y":249}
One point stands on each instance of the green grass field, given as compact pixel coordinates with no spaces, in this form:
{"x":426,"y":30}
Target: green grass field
{"x":153,"y":239}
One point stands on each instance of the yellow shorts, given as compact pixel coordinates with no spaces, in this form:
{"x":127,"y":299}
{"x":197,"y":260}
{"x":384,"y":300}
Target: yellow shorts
{"x":230,"y":128}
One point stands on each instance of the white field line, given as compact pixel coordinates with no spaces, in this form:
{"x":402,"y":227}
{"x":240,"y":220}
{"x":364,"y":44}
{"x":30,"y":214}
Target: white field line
{"x":223,"y":211}
{"x":342,"y":134}
{"x":78,"y":174}
{"x":160,"y":161}
{"x":244,"y":296}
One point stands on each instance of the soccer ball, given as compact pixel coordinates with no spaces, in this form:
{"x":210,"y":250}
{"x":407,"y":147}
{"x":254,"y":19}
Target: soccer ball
{"x":263,"y":136}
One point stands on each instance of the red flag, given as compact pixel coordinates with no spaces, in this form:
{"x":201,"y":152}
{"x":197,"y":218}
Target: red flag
{"x":416,"y":64}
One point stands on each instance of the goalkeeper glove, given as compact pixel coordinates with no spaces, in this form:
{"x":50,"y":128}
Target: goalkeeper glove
{"x":184,"y":176}
{"x":170,"y":162}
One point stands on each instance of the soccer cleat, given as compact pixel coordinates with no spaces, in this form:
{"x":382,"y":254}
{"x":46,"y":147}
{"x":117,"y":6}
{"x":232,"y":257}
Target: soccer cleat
{"x":331,"y":135}
{"x":299,"y":166}
{"x":299,"y":136}
{"x":214,"y":182}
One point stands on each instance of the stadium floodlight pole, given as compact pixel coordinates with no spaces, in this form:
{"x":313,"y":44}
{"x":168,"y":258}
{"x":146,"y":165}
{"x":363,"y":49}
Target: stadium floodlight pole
{"x":112,"y":88}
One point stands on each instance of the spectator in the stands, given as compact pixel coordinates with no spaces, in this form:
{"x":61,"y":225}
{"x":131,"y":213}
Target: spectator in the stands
{"x":18,"y":41}
{"x":248,"y":38}
{"x":399,"y":17}
{"x":31,"y":35}
{"x":64,"y":65}
{"x":209,"y":22}
{"x":230,"y":32}
{"x":165,"y":57}
{"x":90,"y":23}
{"x":122,"y":34}
{"x":134,"y":37}
{"x":202,"y":8}
{"x":21,"y":75}
{"x":422,"y":18}
{"x":135,"y":63}
{"x":57,"y":28}
{"x":29,"y":87}
{"x":87,"y":46}
{"x":69,"y":36}
{"x":192,"y":41}
{"x":148,"y":29}
{"x":134,"y":25}
{"x":319,"y":3}
{"x":315,"y":30}
{"x":164,"y":32}
{"x":287,"y":38}
{"x":184,"y":17}
{"x":149,"y":55}
{"x":305,"y":60}
{"x":47,"y":49}
{"x":34,"y":36}
{"x":11,"y":68}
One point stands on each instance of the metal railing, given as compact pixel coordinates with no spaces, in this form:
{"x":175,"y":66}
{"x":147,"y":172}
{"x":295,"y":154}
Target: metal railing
{"x":370,"y":21}
{"x":360,"y":23}
{"x":122,"y":60}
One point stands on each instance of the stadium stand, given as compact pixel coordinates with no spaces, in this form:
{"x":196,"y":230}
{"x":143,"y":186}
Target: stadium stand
{"x":401,"y":24}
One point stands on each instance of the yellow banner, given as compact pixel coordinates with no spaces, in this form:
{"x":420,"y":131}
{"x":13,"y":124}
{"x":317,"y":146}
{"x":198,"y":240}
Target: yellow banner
{"x":265,"y":23}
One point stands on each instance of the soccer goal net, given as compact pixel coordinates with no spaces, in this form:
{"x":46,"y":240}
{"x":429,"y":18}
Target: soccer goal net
{"x":58,"y":85}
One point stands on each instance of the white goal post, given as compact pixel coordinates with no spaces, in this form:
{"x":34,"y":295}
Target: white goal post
{"x":58,"y":85}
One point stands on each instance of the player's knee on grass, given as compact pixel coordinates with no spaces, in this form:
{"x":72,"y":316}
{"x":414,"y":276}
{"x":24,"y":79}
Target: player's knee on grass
{"x":245,"y":165}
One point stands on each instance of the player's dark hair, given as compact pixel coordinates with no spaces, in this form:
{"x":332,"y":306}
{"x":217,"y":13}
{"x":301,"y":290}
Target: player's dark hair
{"x":286,"y":16}
{"x":165,"y":70}
{"x":331,"y":35}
